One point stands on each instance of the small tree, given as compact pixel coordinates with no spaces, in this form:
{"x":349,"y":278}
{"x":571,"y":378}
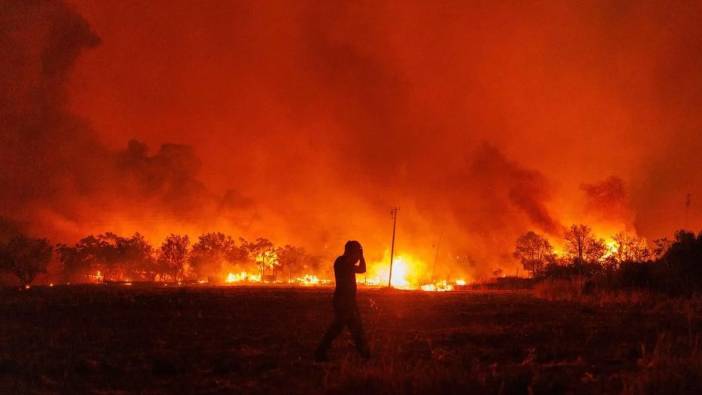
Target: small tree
{"x":210,"y":252}
{"x":263,"y":253}
{"x":630,"y":248}
{"x":290,"y":259}
{"x":72,"y":261}
{"x":26,"y":257}
{"x":103,"y":248}
{"x":577,"y":240}
{"x":595,"y":250}
{"x":88,"y":256}
{"x":136,"y":256}
{"x":533,"y":251}
{"x":174,"y":255}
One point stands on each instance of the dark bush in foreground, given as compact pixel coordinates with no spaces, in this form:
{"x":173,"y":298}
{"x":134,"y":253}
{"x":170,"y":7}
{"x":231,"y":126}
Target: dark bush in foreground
{"x":510,"y":283}
{"x":572,"y":270}
{"x":25,"y":257}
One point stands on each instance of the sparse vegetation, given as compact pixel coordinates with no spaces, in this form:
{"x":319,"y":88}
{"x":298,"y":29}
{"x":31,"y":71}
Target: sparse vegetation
{"x":113,"y":339}
{"x":671,"y":267}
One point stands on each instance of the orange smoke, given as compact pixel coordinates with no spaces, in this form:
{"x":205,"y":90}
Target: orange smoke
{"x":305,"y":122}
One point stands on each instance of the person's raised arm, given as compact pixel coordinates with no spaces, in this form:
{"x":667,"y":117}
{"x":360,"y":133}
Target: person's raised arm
{"x":361,"y":268}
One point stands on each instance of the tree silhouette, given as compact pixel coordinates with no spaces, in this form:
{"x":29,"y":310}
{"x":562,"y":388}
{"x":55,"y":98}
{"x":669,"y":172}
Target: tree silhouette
{"x":595,"y":250}
{"x":85,"y":258}
{"x":577,"y":238}
{"x":103,"y":248}
{"x":534,"y":251}
{"x":174,"y":256}
{"x":210,"y":252}
{"x":72,"y":260}
{"x":26,"y":257}
{"x":135,"y":256}
{"x":262,"y":253}
{"x":290,"y":259}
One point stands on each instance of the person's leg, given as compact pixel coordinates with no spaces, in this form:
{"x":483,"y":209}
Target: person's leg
{"x":332,"y":332}
{"x":359,"y":337}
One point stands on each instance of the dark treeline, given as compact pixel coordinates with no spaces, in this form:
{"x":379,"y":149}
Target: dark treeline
{"x":111,"y":257}
{"x":625,"y":262}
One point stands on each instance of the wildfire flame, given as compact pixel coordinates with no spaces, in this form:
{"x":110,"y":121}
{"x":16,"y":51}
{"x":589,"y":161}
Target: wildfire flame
{"x":611,"y":248}
{"x":97,"y":277}
{"x":407,"y":273}
{"x":242,"y":277}
{"x":403,"y":270}
{"x":308,"y":279}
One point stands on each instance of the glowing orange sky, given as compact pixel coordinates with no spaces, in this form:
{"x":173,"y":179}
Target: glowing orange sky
{"x":478,"y":119}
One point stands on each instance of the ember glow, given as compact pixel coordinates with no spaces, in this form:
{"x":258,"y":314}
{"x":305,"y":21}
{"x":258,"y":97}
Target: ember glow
{"x":406,"y":272}
{"x":410,"y":274}
{"x":308,"y":280}
{"x":242,"y":277}
{"x":96,"y":278}
{"x":440,"y":286}
{"x":479,"y":121}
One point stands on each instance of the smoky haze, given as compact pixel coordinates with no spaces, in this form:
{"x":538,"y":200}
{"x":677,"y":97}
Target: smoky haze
{"x":307,"y":121}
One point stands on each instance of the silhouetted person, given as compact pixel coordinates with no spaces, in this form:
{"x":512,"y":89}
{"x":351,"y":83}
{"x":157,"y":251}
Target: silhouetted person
{"x":345,"y":308}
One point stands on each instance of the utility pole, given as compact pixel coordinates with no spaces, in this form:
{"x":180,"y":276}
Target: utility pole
{"x":392,"y":245}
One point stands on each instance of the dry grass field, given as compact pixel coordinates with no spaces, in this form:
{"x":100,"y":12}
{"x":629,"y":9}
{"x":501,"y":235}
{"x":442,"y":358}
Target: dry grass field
{"x":154,"y":340}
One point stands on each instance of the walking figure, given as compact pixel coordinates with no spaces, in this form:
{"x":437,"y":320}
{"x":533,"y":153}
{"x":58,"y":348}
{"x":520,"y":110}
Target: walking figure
{"x":345,"y":308}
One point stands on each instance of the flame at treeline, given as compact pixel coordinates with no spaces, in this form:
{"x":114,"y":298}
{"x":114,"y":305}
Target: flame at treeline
{"x":216,"y":259}
{"x":480,"y":121}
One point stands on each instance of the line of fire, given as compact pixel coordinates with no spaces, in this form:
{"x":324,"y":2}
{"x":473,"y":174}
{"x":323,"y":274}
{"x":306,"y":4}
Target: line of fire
{"x":218,"y":259}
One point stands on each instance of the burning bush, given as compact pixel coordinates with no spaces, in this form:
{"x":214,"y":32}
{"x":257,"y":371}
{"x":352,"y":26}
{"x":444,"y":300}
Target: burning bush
{"x":109,"y":256}
{"x":215,"y":257}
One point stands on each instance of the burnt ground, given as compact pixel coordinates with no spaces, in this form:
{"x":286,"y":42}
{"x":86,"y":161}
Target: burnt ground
{"x":120,"y":339}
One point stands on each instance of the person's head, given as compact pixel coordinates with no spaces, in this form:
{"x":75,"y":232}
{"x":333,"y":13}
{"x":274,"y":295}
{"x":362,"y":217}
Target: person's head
{"x":353,"y":250}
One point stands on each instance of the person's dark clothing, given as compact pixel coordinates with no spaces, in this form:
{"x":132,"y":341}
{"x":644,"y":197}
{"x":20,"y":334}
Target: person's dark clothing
{"x":345,"y":309}
{"x":345,"y":276}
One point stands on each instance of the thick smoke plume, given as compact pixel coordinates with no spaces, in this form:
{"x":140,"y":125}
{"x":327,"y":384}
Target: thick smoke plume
{"x":306,"y":122}
{"x":59,"y":177}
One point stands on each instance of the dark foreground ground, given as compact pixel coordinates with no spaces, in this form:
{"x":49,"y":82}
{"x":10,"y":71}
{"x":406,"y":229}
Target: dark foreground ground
{"x":119,"y":339}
